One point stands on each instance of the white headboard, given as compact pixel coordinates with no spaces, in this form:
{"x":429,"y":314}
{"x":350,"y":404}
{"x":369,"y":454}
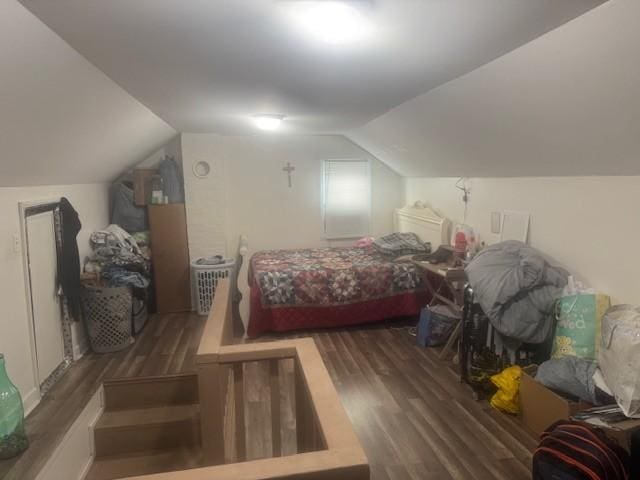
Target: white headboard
{"x":424,"y":222}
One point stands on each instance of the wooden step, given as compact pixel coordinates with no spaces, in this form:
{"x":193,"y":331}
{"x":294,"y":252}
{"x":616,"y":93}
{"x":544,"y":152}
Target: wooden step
{"x":129,"y":393}
{"x":147,"y":429}
{"x":145,"y":463}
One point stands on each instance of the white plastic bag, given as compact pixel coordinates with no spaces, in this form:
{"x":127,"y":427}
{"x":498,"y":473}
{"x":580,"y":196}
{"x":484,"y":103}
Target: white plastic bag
{"x":619,"y":356}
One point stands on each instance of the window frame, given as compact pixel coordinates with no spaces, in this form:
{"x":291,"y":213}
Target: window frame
{"x":323,"y":199}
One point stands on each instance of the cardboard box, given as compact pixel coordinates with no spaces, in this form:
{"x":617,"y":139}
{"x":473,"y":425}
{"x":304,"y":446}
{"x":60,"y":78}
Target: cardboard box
{"x":620,"y":431}
{"x":540,"y":406}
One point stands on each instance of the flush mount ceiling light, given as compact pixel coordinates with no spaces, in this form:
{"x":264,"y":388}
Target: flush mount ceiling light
{"x":332,"y":22}
{"x":268,"y":122}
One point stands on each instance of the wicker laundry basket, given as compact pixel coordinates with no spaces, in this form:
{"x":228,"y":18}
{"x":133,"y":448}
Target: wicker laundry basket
{"x":107,"y":316}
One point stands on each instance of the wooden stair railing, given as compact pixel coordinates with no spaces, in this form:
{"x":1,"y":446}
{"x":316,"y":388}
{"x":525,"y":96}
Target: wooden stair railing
{"x":327,"y":446}
{"x":236,"y":295}
{"x":213,"y":378}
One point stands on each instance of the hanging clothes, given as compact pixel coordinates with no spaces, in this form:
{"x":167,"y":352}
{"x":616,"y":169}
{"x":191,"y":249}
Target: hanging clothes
{"x":173,"y":181}
{"x":69,"y":258}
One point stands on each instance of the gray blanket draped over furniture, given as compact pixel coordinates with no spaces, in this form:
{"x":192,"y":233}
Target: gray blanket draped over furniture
{"x":517,"y":289}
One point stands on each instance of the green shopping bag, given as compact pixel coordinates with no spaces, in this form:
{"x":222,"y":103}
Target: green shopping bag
{"x":578,"y":327}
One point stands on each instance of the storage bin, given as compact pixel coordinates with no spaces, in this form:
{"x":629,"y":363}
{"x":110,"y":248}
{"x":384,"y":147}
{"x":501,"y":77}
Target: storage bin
{"x":107,"y":316}
{"x":204,"y":280}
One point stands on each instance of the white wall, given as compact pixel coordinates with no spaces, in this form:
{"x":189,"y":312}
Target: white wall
{"x":567,"y":103}
{"x":91,"y":203}
{"x":61,"y":119}
{"x":173,"y":148}
{"x":589,"y":224}
{"x":247,"y":191}
{"x":74,"y":455}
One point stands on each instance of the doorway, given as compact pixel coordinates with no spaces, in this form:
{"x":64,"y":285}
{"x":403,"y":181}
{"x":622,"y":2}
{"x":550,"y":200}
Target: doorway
{"x":52,"y":350}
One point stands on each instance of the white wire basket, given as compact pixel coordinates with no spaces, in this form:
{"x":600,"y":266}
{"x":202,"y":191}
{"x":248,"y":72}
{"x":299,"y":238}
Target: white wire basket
{"x":204,"y":281}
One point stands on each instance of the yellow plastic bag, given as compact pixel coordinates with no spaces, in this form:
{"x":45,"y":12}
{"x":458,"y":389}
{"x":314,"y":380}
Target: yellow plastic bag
{"x":507,"y":398}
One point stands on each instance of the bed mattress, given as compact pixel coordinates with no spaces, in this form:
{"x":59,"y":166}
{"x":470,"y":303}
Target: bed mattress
{"x":329,"y":287}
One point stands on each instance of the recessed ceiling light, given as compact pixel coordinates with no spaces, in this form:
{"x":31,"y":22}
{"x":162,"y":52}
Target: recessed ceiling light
{"x":330,"y":21}
{"x":268,"y":121}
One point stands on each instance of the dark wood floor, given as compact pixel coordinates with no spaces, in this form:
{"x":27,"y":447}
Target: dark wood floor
{"x":413,"y":417}
{"x":167,"y":345}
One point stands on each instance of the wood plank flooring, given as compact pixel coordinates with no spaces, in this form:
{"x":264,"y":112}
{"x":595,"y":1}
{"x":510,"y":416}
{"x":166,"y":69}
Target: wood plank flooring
{"x":167,"y":345}
{"x":413,"y":417}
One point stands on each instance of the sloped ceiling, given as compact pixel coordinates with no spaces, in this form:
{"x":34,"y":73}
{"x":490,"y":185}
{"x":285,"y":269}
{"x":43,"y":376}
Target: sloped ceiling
{"x":567,"y":103}
{"x":63,"y":121}
{"x":209,"y":65}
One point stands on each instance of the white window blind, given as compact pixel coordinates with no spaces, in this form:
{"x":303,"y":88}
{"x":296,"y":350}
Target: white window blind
{"x":346,"y":195}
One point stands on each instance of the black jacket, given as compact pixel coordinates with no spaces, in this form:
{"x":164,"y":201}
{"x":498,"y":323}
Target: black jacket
{"x":69,"y":259}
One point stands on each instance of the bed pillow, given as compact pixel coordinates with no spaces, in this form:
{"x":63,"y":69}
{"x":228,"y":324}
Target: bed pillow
{"x":397,"y":244}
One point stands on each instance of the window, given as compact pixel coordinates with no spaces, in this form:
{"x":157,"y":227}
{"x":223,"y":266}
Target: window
{"x":346,"y":198}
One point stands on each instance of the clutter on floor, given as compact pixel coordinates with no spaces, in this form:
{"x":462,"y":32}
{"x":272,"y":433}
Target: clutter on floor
{"x":571,"y":450}
{"x":574,"y":376}
{"x":108,"y":316}
{"x":609,"y":379}
{"x":578,"y":324}
{"x":542,"y":345}
{"x":613,"y":422}
{"x":507,"y":398}
{"x":116,"y":288}
{"x":440,"y":319}
{"x":619,"y":356}
{"x":485,"y":352}
{"x":117,"y":259}
{"x":540,"y":406}
{"x":517,"y":289}
{"x":436,"y":324}
{"x":568,"y":386}
{"x":121,"y":275}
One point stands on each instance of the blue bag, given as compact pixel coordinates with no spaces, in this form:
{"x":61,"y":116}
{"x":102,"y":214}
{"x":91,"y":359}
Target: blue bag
{"x":435,"y":325}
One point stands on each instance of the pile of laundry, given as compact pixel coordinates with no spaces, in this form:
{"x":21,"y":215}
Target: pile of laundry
{"x":591,"y":344}
{"x":119,"y":259}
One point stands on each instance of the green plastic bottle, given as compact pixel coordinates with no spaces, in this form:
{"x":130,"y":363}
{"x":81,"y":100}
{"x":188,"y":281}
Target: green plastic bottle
{"x":13,"y":439}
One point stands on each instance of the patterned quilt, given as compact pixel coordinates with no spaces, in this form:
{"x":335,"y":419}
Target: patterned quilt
{"x":329,"y":276}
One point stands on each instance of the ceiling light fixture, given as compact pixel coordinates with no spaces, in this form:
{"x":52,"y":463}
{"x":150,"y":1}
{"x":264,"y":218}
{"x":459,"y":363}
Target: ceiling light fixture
{"x":268,"y":122}
{"x":332,"y":22}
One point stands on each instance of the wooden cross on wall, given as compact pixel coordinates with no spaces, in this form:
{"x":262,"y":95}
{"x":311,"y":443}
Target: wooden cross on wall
{"x":289,"y":169}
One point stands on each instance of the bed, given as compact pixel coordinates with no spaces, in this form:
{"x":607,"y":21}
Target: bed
{"x":340,"y":286}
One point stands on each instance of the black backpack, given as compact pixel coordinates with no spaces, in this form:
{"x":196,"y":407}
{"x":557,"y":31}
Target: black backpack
{"x":635,"y":454}
{"x":575,"y":451}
